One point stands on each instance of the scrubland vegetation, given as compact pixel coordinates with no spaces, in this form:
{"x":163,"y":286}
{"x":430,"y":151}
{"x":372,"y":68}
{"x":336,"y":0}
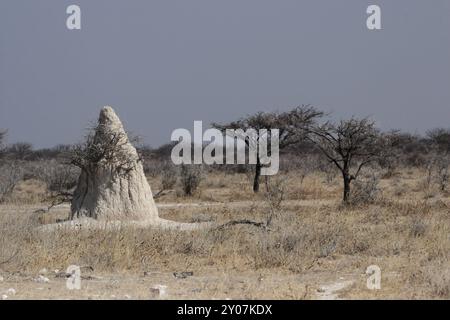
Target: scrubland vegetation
{"x":324,"y":216}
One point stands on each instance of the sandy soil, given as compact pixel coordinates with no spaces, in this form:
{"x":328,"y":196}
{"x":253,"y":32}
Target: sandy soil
{"x":211,"y":285}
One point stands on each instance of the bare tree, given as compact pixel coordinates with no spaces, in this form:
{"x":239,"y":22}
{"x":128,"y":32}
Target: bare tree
{"x":20,"y":150}
{"x":349,"y":145}
{"x":440,"y":139}
{"x":59,"y":177}
{"x":10,"y":174}
{"x":101,"y":148}
{"x":292,"y":126}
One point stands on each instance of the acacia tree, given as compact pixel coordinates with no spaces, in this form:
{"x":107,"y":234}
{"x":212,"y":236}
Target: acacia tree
{"x":292,"y":125}
{"x":349,"y":145}
{"x":440,"y":137}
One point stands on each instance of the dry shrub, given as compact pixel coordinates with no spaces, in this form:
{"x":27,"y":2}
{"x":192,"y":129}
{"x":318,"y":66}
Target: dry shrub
{"x":442,"y":175}
{"x":11,"y":173}
{"x":299,"y":240}
{"x":409,"y":238}
{"x":153,"y":167}
{"x":300,"y":166}
{"x":58,"y":177}
{"x":168,"y":177}
{"x":296,"y":245}
{"x":16,"y":230}
{"x":328,"y":169}
{"x":429,"y":249}
{"x":190,"y":178}
{"x":433,"y":279}
{"x":366,"y":190}
{"x":291,"y":245}
{"x":418,"y":228}
{"x":110,"y":250}
{"x":437,"y":174}
{"x":274,"y":196}
{"x":438,"y":279}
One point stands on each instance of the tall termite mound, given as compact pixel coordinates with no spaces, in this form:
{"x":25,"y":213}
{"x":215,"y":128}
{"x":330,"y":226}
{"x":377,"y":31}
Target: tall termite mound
{"x":112,"y":184}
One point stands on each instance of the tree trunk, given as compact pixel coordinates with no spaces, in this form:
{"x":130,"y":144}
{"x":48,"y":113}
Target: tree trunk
{"x":346,"y":187}
{"x":257,"y":176}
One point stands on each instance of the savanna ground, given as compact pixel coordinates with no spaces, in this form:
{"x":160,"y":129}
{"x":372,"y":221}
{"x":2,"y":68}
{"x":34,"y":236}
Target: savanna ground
{"x":314,"y":244}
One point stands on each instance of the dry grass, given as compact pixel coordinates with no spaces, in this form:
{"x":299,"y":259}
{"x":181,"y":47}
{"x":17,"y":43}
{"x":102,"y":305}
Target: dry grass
{"x":406,"y":233}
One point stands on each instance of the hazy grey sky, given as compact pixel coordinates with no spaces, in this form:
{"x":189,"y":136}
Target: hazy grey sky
{"x":163,"y":64}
